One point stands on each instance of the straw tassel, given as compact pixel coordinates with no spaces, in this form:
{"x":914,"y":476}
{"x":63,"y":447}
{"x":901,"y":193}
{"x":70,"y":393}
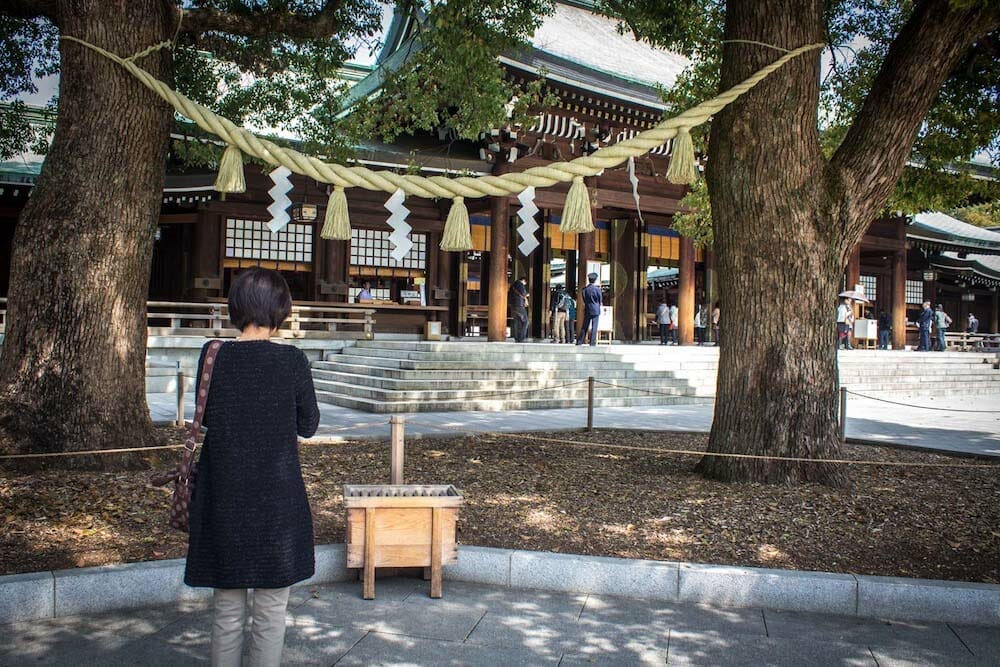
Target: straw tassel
{"x":230,"y":178}
{"x":457,"y":236}
{"x":577,"y":217}
{"x":682,"y":169}
{"x":337,"y":224}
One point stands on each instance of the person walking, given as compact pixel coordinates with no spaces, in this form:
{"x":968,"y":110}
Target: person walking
{"x":884,"y":329}
{"x":941,"y":323}
{"x":973,"y":324}
{"x":663,"y":319}
{"x":571,"y":320}
{"x":592,"y":301}
{"x":924,"y":325}
{"x":517,"y":302}
{"x":700,"y":322}
{"x":250,"y":524}
{"x":674,"y":322}
{"x":559,"y":318}
{"x":845,"y":318}
{"x":716,"y":313}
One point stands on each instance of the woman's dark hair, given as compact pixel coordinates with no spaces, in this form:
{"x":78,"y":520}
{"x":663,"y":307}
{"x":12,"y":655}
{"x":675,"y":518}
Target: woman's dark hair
{"x":259,"y":296}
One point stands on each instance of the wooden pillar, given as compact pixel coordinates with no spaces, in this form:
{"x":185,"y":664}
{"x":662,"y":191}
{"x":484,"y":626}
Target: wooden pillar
{"x":499,"y":250}
{"x":685,"y":293}
{"x":995,"y":315}
{"x":444,"y":281}
{"x":624,"y":278}
{"x":853,"y":273}
{"x":899,"y":300}
{"x":209,"y":248}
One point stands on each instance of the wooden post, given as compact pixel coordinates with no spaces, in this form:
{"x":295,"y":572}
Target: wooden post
{"x":397,"y":448}
{"x":590,"y":403}
{"x":180,"y":395}
{"x":899,"y":300}
{"x":995,"y":315}
{"x":685,"y":293}
{"x":499,"y":250}
{"x":843,"y":415}
{"x":436,"y":521}
{"x":369,"y":585}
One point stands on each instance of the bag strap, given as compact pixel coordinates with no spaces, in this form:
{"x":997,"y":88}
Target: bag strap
{"x":191,"y":442}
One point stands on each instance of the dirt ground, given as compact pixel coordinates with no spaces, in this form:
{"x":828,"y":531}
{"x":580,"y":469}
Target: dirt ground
{"x":941,"y":523}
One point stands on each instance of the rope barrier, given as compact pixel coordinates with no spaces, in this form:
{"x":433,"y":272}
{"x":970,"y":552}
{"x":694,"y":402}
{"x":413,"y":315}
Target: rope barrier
{"x":921,"y":407}
{"x":694,"y":452}
{"x":650,"y":391}
{"x":508,"y":184}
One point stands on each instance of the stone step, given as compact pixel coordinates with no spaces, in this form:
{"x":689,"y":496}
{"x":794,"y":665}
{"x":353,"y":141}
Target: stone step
{"x":522,"y":374}
{"x":459,"y":381}
{"x":586,"y":366}
{"x":576,"y":391}
{"x":497,"y":405}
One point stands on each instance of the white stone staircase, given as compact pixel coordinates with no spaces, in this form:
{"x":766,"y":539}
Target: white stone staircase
{"x":396,"y":376}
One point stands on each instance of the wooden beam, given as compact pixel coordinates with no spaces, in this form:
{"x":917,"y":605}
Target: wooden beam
{"x":499,"y":249}
{"x":685,"y":293}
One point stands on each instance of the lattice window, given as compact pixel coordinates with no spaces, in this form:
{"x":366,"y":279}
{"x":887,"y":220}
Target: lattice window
{"x":914,"y":291}
{"x":870,"y":283}
{"x":251,"y":239}
{"x":378,"y":293}
{"x":371,"y":247}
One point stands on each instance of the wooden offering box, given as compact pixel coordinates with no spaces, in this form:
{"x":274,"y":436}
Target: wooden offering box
{"x":401,"y":525}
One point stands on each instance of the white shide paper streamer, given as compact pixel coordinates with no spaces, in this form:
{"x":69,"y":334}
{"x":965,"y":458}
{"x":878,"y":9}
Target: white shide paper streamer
{"x":400,"y":237}
{"x":526,"y":230}
{"x":634,"y":180}
{"x":279,"y":199}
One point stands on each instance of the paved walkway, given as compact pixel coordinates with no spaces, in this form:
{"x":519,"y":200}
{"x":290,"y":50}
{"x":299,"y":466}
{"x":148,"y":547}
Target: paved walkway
{"x":940,"y":428}
{"x":483,"y":625}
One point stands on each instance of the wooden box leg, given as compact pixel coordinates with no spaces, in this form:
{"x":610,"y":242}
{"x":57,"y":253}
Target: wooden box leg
{"x":427,"y":574}
{"x":369,"y":572}
{"x":436,"y":552}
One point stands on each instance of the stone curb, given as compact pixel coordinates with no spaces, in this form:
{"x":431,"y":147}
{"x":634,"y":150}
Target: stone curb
{"x":97,"y":589}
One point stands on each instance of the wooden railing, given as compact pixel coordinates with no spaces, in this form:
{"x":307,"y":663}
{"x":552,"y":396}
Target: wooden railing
{"x":177,"y":318}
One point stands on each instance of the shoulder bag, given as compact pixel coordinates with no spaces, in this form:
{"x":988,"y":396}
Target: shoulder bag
{"x":183,"y":476}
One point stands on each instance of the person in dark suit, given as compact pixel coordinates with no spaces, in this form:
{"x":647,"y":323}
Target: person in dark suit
{"x":592,"y":300}
{"x":517,"y":302}
{"x":924,"y":322}
{"x":884,"y":329}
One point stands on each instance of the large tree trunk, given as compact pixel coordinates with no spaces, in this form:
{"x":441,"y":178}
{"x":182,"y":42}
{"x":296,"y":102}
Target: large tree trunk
{"x":786,"y":219}
{"x":777,"y":257}
{"x":72,"y":372}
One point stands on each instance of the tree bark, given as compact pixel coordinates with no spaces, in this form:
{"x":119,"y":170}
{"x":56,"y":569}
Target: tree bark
{"x":72,"y":372}
{"x":786,"y":220}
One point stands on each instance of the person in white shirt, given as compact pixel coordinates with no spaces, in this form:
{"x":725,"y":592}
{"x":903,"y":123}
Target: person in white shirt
{"x":973,"y":324}
{"x":845,"y":318}
{"x":366,"y":292}
{"x":674,"y":322}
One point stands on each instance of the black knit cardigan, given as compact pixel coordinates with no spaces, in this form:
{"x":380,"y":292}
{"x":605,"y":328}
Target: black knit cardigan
{"x":250,"y":524}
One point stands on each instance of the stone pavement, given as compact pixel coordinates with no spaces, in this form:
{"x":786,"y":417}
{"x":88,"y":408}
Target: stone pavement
{"x":867,"y":419}
{"x":485,"y":625}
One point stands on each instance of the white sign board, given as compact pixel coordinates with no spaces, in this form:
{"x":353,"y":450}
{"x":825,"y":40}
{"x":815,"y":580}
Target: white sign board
{"x":606,"y":322}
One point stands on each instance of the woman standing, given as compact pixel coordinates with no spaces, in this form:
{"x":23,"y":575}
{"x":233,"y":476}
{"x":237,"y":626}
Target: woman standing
{"x":700,"y":322}
{"x":250,"y":524}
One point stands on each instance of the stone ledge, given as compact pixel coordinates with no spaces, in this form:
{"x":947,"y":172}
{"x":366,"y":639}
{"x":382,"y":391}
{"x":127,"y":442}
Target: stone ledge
{"x":24,"y":597}
{"x":96,"y":589}
{"x":929,"y":600}
{"x":646,"y":579}
{"x":790,"y":590}
{"x":481,"y":565}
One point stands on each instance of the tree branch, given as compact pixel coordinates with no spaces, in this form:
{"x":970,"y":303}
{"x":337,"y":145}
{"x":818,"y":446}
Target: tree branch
{"x":323,"y":23}
{"x":874,"y":152}
{"x":30,"y":9}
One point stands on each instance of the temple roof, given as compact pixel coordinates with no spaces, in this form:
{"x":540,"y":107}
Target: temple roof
{"x":982,"y":269}
{"x":937,"y":231}
{"x":573,"y":46}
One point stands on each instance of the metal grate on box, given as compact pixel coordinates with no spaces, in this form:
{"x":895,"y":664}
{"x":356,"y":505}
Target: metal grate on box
{"x":400,"y":491}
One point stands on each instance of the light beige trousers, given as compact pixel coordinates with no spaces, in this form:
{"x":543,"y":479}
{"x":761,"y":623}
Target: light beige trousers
{"x":559,"y":326}
{"x":267,"y":629}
